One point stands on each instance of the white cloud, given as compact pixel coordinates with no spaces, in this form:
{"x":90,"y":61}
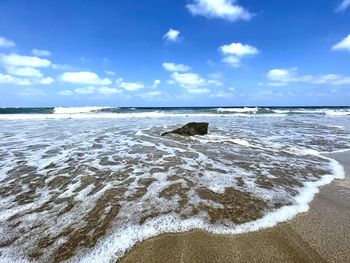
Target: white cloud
{"x":192,"y":82}
{"x":343,"y":6}
{"x":24,"y":72}
{"x":41,"y":53}
{"x":93,"y":90}
{"x":343,"y":45}
{"x":172,"y":35}
{"x":234,"y":52}
{"x":215,"y":75}
{"x":215,"y":82}
{"x":62,"y":67}
{"x":283,"y":77}
{"x":6,"y":43}
{"x":131,"y":86}
{"x":151,"y":94}
{"x":108,"y":90}
{"x":110,"y":72}
{"x":281,"y":74}
{"x":156,"y":83}
{"x":198,"y":90}
{"x":222,"y":94}
{"x":225,"y":9}
{"x":46,"y":81}
{"x":188,"y":79}
{"x":170,"y":66}
{"x":84,"y":77}
{"x":232,"y":61}
{"x":238,"y":50}
{"x":85,"y":90}
{"x":8,"y":79}
{"x":23,"y":61}
{"x":65,"y":92}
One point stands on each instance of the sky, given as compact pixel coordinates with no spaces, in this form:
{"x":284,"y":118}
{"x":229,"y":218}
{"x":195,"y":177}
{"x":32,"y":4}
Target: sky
{"x":137,"y":53}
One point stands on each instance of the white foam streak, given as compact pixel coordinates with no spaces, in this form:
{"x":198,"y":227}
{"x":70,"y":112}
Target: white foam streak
{"x":238,"y":110}
{"x":75,"y":110}
{"x":115,"y":246}
{"x":151,"y":114}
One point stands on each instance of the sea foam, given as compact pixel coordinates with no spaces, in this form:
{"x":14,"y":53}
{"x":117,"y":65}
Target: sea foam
{"x":114,"y":246}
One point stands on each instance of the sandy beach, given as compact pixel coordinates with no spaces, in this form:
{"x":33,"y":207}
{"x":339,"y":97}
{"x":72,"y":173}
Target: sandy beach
{"x":320,"y":235}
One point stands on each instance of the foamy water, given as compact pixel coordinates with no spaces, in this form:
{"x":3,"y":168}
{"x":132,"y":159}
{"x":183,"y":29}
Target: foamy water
{"x":86,"y":184}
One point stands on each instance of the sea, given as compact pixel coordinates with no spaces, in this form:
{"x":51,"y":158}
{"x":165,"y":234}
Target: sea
{"x":85,"y":184}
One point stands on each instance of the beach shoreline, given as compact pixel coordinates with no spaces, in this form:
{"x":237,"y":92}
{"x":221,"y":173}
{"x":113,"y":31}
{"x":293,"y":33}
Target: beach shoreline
{"x":320,"y":235}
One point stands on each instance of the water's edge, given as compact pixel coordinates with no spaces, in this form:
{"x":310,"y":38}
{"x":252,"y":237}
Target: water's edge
{"x":169,"y":224}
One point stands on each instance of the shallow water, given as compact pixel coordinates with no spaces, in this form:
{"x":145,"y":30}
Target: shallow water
{"x":79,"y":185}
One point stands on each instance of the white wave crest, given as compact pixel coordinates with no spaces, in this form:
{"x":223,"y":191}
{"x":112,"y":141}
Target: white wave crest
{"x":238,"y":110}
{"x":75,"y":110}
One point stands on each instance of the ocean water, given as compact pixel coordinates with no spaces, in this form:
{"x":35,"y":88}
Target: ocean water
{"x":86,"y":184}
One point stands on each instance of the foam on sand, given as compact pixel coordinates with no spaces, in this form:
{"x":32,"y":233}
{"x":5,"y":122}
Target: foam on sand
{"x":114,"y":247}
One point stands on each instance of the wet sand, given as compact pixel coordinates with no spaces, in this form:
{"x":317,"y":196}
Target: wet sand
{"x":320,"y":235}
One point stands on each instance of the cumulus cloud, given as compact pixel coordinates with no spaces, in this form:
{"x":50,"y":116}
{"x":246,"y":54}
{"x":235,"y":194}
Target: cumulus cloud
{"x":234,"y":52}
{"x":188,"y":79}
{"x":345,"y":4}
{"x":232,"y":61}
{"x":108,"y":90}
{"x":104,"y":90}
{"x":110,"y":72}
{"x":281,"y":74}
{"x":215,"y":82}
{"x":130,"y":86}
{"x":45,"y":81}
{"x":224,"y":9}
{"x":222,"y":94}
{"x":172,"y":35}
{"x":65,"y":92}
{"x":215,"y":75}
{"x":85,"y":90}
{"x":84,"y":77}
{"x":192,"y":82}
{"x":151,"y":94}
{"x":8,"y":79}
{"x":156,"y":83}
{"x":6,"y":43}
{"x":343,"y":44}
{"x":41,"y":53}
{"x":24,"y":72}
{"x":283,"y":77}
{"x":238,"y":49}
{"x":17,"y":60}
{"x":170,"y":66}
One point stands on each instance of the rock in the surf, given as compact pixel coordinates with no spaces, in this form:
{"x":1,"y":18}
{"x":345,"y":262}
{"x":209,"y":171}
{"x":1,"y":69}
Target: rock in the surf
{"x":190,"y":129}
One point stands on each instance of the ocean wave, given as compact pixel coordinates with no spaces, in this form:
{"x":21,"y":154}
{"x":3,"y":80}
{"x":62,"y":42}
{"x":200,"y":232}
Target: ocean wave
{"x":75,"y":110}
{"x":115,"y":112}
{"x":238,"y":110}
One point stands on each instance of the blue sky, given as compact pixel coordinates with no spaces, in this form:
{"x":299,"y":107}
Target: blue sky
{"x":174,"y":52}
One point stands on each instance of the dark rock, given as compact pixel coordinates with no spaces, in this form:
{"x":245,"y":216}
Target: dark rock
{"x":190,"y":129}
